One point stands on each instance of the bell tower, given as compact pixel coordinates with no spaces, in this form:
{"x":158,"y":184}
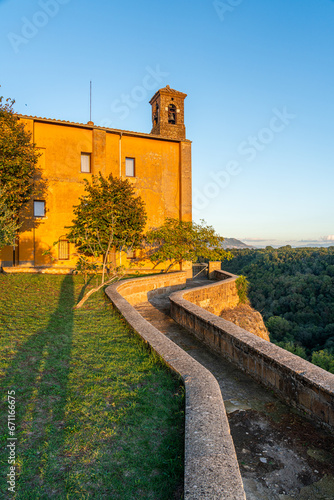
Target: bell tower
{"x":168,"y":113}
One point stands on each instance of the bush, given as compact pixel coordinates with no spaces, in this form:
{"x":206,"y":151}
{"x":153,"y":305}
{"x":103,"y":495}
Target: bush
{"x":324,"y":359}
{"x":242,"y":289}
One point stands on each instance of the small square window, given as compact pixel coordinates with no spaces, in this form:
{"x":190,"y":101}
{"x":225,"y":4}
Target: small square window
{"x":131,"y":254}
{"x":130,"y":167}
{"x":85,"y":163}
{"x":39,"y":208}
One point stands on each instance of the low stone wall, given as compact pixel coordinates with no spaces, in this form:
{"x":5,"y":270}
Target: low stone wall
{"x":37,"y":270}
{"x":296,"y":381}
{"x":211,"y":467}
{"x":223,"y":275}
{"x":217,"y":297}
{"x":138,"y":290}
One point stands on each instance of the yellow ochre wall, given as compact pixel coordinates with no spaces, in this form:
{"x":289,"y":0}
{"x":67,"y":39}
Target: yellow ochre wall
{"x":162,"y":179}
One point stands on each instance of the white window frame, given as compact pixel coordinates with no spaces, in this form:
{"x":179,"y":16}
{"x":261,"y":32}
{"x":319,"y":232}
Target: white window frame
{"x":85,"y":163}
{"x":130,"y":167}
{"x":39,"y":208}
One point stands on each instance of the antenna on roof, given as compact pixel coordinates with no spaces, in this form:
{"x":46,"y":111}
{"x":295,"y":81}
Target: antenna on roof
{"x":90,"y":102}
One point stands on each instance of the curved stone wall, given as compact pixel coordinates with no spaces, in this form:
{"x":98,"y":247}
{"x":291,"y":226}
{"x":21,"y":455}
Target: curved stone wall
{"x":296,"y":381}
{"x":211,"y":467}
{"x":215,"y":298}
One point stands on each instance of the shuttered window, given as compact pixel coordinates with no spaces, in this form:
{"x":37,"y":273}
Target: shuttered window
{"x":85,"y":163}
{"x":63,"y":249}
{"x":130,"y":167}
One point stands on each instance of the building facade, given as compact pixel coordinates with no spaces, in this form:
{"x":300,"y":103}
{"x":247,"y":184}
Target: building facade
{"x":157,"y":164}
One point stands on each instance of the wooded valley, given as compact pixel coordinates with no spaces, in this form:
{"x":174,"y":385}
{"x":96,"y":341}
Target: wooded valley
{"x":293,"y":288}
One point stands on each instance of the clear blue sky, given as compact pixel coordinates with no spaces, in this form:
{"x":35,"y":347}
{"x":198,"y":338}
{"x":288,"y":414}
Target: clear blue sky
{"x":259,"y":76}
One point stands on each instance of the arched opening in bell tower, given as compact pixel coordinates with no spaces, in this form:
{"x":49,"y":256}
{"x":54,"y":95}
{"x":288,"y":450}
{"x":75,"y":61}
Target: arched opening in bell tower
{"x":172,"y":114}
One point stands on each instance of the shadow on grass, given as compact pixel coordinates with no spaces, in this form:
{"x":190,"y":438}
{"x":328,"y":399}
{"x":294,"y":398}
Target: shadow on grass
{"x":85,"y":287}
{"x":39,"y":375}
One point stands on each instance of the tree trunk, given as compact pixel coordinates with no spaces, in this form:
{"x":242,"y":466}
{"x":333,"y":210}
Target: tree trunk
{"x":93,"y":290}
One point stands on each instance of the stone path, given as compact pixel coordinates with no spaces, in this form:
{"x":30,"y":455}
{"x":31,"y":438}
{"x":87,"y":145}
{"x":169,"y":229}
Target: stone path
{"x":281,"y":454}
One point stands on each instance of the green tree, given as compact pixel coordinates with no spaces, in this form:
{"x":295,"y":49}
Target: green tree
{"x":294,"y":348}
{"x":176,"y":241}
{"x":18,"y":159}
{"x":324,"y":359}
{"x":8,"y":224}
{"x":279,"y":329}
{"x":108,"y":217}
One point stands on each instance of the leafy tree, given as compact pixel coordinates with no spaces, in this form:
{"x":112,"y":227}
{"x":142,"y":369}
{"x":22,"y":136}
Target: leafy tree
{"x":176,"y":241}
{"x":294,"y":348}
{"x":108,"y":217}
{"x":324,"y":359}
{"x":279,"y":328}
{"x":18,"y":159}
{"x":8,"y":224}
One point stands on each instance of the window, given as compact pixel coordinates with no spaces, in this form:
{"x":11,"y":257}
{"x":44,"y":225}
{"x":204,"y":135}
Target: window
{"x":85,"y":163}
{"x":131,"y":254}
{"x":156,"y":115}
{"x":130,"y":167}
{"x":39,"y":208}
{"x":63,"y":248}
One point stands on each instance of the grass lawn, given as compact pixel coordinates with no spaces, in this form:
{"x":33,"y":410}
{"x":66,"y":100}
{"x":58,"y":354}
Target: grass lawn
{"x":96,"y":414}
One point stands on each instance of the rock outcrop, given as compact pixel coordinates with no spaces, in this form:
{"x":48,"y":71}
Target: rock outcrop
{"x":247,"y":318}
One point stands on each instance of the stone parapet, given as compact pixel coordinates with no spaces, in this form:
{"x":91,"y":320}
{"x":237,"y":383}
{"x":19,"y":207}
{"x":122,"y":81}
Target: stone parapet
{"x":296,"y":381}
{"x":216,"y":297}
{"x":213,"y":267}
{"x":220,"y":275}
{"x":211,"y":467}
{"x":139,"y":290}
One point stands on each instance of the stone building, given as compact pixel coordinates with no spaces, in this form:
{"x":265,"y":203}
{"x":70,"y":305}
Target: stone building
{"x":157,"y":164}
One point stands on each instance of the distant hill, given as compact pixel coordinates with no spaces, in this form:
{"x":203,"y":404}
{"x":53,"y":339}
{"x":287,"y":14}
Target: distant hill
{"x":234,"y":243}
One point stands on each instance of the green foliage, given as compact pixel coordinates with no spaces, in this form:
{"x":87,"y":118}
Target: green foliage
{"x":294,"y":348}
{"x":178,"y":241}
{"x":279,"y":328}
{"x":242,"y":289}
{"x":294,"y":290}
{"x":8,"y":223}
{"x":109,"y":215}
{"x":323,"y":359}
{"x":97,"y":416}
{"x":85,"y":267}
{"x":18,"y":159}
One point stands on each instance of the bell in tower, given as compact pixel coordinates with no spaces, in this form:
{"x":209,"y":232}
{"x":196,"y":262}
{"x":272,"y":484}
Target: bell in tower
{"x":168,"y":113}
{"x":172,"y":114}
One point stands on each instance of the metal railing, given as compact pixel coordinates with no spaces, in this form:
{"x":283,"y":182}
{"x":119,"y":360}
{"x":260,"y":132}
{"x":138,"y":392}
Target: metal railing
{"x":200,"y":269}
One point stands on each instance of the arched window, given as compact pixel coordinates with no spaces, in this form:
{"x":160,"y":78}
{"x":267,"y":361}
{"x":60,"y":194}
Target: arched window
{"x":172,"y":114}
{"x":156,"y":115}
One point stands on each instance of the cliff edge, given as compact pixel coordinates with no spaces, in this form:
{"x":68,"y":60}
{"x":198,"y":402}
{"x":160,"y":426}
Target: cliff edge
{"x":247,"y":318}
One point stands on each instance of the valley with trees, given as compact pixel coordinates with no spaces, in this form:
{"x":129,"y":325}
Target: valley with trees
{"x":293,"y":288}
